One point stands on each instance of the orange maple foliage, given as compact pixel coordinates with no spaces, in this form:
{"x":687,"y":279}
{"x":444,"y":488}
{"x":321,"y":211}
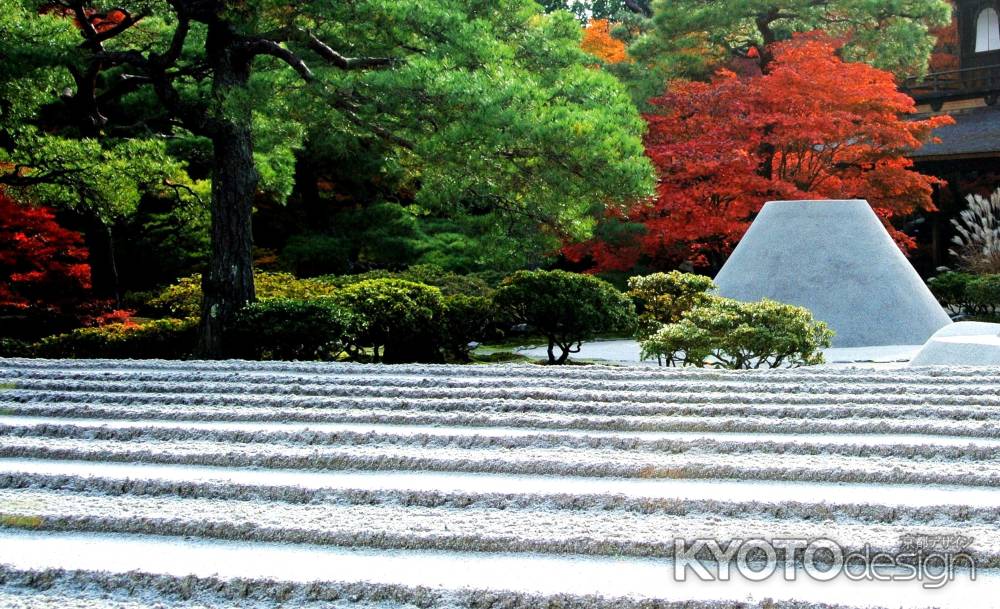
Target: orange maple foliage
{"x":813,"y":127}
{"x":945,"y":54}
{"x":101,"y":22}
{"x":598,"y":41}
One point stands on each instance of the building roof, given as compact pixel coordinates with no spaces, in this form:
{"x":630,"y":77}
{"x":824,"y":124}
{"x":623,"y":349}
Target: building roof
{"x":976,"y":133}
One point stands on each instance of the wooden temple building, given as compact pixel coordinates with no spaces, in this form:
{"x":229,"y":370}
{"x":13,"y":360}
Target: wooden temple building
{"x":964,"y":82}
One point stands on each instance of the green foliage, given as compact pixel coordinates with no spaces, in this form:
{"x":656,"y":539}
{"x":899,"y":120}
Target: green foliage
{"x":310,"y":255}
{"x":388,"y":235}
{"x":738,"y":335}
{"x":183,"y":299}
{"x":466,"y":319}
{"x":448,"y":282}
{"x":421,"y":314}
{"x":951,"y":289}
{"x":984,"y":294}
{"x":665,"y":297}
{"x":678,"y":344}
{"x":157,"y":339}
{"x":497,"y":92}
{"x":461,"y":248}
{"x":585,"y":10}
{"x":889,"y":35}
{"x":488,"y":126}
{"x":164,"y":240}
{"x":399,"y":320}
{"x":975,"y":295}
{"x":567,"y":308}
{"x":35,"y":45}
{"x":12,"y":347}
{"x":276,"y":140}
{"x":284,"y":329}
{"x":385,"y":234}
{"x":106,"y":178}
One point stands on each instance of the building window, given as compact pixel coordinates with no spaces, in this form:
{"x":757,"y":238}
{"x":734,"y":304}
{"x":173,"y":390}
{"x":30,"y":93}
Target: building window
{"x":987,"y":31}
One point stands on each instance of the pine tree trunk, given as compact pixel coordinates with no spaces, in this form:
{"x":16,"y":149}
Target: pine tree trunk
{"x":227,"y":284}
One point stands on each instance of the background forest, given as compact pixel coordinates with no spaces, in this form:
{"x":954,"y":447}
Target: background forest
{"x":142,"y":143}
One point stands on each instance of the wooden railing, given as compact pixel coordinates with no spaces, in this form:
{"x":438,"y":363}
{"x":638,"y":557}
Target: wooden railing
{"x":954,"y":84}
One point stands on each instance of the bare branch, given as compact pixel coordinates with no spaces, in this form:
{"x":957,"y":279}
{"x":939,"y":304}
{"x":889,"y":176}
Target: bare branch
{"x":269,"y":47}
{"x":635,"y":7}
{"x":176,"y":43}
{"x":18,"y":178}
{"x":132,"y":58}
{"x":349,"y":111}
{"x":346,"y":63}
{"x":177,"y":188}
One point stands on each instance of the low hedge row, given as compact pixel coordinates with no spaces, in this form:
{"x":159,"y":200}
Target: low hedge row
{"x":371,"y":317}
{"x":155,"y":339}
{"x":974,"y":295}
{"x":394,"y":320}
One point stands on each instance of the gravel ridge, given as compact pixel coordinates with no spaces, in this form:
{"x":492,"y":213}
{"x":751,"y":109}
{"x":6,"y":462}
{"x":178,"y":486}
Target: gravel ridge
{"x":917,"y":430}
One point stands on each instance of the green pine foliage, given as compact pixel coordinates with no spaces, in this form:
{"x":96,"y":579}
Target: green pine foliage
{"x":665,"y":297}
{"x":727,"y":333}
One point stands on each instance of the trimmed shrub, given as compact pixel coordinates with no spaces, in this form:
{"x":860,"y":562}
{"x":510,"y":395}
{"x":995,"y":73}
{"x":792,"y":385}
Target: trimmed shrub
{"x":665,"y":297}
{"x":448,"y":282}
{"x":678,"y":344}
{"x":399,"y":321}
{"x":738,"y":335}
{"x":183,"y":299}
{"x":157,"y":339}
{"x":566,"y":308}
{"x":466,"y":319}
{"x":12,"y":347}
{"x":983,"y":294}
{"x":975,"y":295}
{"x":950,"y":289}
{"x":284,"y":329}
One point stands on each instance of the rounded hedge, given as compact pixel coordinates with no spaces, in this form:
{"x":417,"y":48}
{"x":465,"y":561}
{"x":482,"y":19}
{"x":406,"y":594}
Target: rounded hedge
{"x":665,"y":297}
{"x":566,"y":308}
{"x":400,"y":321}
{"x":738,"y":335}
{"x":286,"y":329}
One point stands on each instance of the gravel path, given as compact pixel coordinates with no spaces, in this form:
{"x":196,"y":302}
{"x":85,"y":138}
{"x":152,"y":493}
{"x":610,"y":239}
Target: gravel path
{"x":247,"y":484}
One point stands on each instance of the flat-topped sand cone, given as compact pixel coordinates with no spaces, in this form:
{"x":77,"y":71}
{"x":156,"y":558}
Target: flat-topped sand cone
{"x":836,"y":259}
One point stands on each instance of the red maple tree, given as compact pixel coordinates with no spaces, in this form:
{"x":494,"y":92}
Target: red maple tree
{"x":41,"y":263}
{"x":811,"y":127}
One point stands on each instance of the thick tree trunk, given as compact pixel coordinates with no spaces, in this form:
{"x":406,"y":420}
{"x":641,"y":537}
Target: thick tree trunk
{"x":766,"y":151}
{"x":227,"y":284}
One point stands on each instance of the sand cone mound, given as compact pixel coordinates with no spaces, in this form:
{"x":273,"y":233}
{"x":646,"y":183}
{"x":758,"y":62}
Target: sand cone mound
{"x":836,"y":259}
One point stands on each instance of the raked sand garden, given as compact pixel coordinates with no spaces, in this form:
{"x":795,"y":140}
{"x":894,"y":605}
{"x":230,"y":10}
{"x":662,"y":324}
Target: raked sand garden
{"x":242,"y":484}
